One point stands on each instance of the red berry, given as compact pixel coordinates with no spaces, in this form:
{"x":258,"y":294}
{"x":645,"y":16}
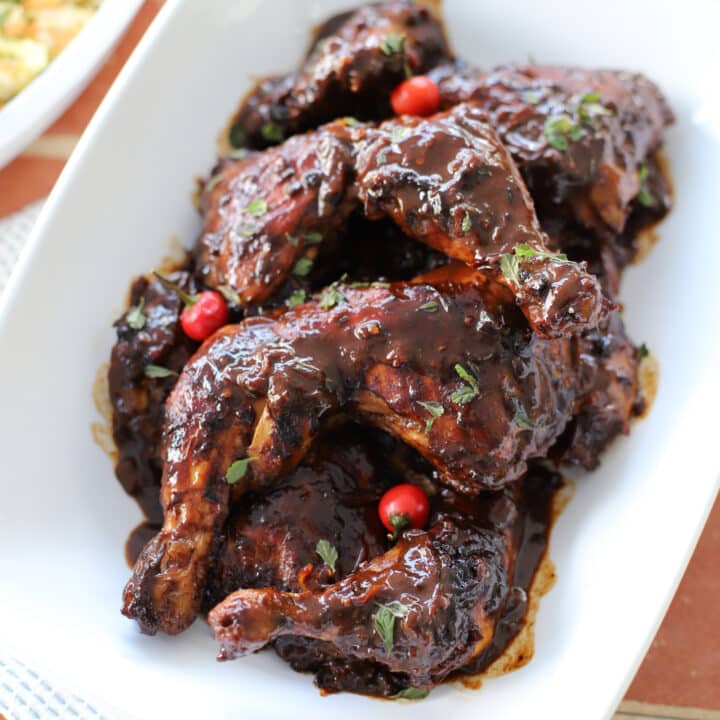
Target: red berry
{"x":404,"y":506}
{"x":208,"y":313}
{"x":417,"y":95}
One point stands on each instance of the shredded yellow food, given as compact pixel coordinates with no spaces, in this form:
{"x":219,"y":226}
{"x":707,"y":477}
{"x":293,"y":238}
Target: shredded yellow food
{"x":32,"y":33}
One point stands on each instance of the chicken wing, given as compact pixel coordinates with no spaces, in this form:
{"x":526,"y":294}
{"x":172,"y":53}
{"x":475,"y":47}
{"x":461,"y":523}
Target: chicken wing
{"x":358,"y":59}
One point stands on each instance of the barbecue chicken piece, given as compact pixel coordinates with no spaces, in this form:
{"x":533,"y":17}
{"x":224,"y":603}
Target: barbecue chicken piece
{"x":448,"y":590}
{"x":356,"y":62}
{"x":609,"y":394}
{"x":257,"y":392}
{"x":582,"y":138}
{"x":270,"y":542}
{"x":152,"y":336}
{"x":446,"y":181}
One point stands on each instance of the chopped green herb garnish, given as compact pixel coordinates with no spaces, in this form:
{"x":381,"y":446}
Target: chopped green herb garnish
{"x":560,"y":130}
{"x":591,"y":97}
{"x":510,"y":263}
{"x":135,"y":317}
{"x":384,"y":621}
{"x":272,"y":132}
{"x":297,"y":298}
{"x":522,"y":421}
{"x":294,"y":240}
{"x":524,"y":252}
{"x":642,"y":352}
{"x":229,"y":294}
{"x":467,"y":392}
{"x":531,"y":97}
{"x":399,"y":133}
{"x":410,"y":693}
{"x":466,"y":223}
{"x":435,"y":409}
{"x":430,"y":306}
{"x":237,"y":136}
{"x":350,"y":121}
{"x":238,"y":153}
{"x":237,"y":470}
{"x":212,"y":183}
{"x":188,"y":299}
{"x":302,"y":267}
{"x":644,"y":196}
{"x":510,"y":267}
{"x":328,"y":553}
{"x":256,"y":208}
{"x":393,"y":43}
{"x":591,"y":106}
{"x":313,"y":238}
{"x":158,"y":371}
{"x":330,"y":298}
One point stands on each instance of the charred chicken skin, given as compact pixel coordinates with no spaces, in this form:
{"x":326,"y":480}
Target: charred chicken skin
{"x":261,"y":389}
{"x":446,"y":181}
{"x":355,"y":63}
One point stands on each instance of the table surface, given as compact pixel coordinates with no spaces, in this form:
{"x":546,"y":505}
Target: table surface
{"x":680,"y":675}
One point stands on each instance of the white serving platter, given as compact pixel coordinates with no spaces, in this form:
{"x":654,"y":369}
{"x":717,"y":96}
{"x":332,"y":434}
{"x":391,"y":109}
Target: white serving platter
{"x":621,"y":545}
{"x":36,"y":107}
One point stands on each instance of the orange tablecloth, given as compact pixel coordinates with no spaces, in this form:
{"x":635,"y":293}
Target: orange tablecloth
{"x":680,"y":676}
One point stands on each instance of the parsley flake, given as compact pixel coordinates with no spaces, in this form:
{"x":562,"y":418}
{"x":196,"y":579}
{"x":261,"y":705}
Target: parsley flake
{"x":560,"y":131}
{"x":313,"y":238}
{"x":238,"y":469}
{"x":213,"y":182}
{"x":644,"y":196}
{"x":256,"y":208}
{"x":399,"y":133}
{"x":272,"y":132}
{"x":430,"y":306}
{"x":466,"y":223}
{"x":302,"y":267}
{"x":328,"y":553}
{"x":158,"y":371}
{"x":330,"y":298}
{"x":410,"y":693}
{"x":435,"y":409}
{"x":230,"y":295}
{"x":467,"y":392}
{"x":238,"y":153}
{"x":294,"y":240}
{"x":510,"y":268}
{"x":384,"y":621}
{"x":297,"y":298}
{"x":642,"y":352}
{"x":393,"y":43}
{"x":135,"y":317}
{"x":510,"y":263}
{"x":522,"y":421}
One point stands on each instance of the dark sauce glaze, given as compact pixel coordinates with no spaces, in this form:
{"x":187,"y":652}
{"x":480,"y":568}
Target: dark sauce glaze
{"x":522,"y":515}
{"x":586,"y":200}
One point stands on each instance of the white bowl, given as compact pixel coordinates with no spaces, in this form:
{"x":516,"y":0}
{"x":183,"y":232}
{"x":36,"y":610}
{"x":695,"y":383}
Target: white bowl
{"x":36,"y":107}
{"x":621,"y":545}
